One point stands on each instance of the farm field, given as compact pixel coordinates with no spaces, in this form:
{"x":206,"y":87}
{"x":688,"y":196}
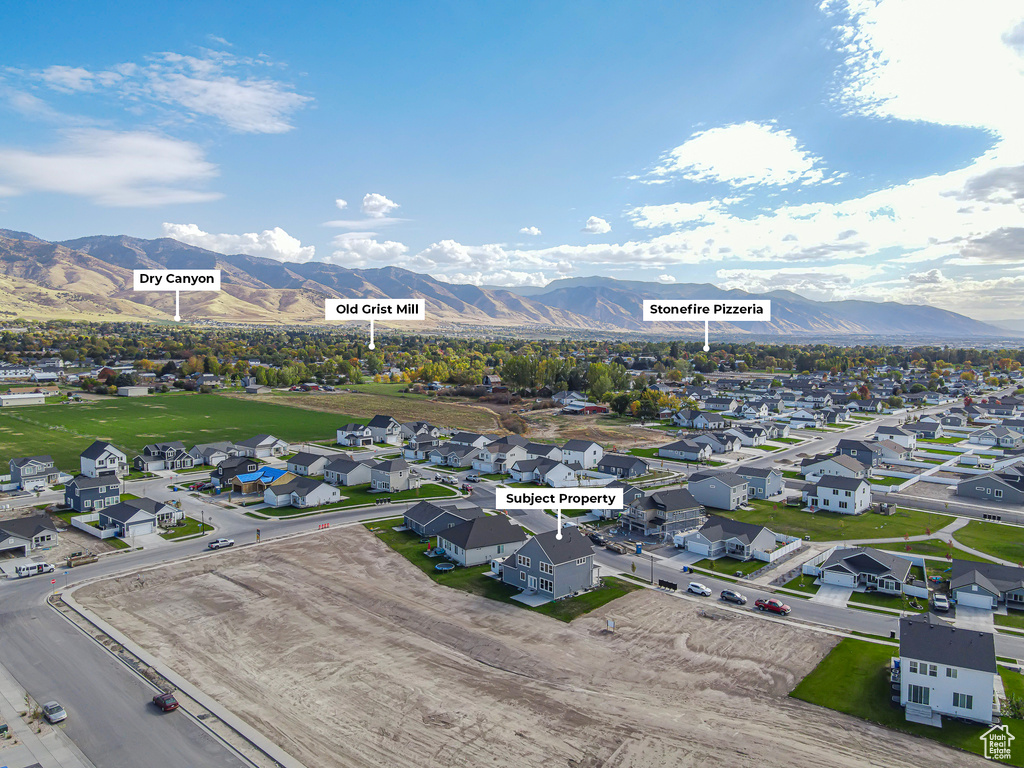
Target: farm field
{"x":346,"y":654}
{"x":130,"y":423}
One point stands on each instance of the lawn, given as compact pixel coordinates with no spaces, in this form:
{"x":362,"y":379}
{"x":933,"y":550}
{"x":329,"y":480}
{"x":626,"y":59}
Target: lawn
{"x":942,"y":452}
{"x":494,"y":476}
{"x":802,"y":583}
{"x":829,"y":526}
{"x":889,"y":480}
{"x":769,"y":447}
{"x":896,"y":602}
{"x":786,"y":440}
{"x":792,"y":474}
{"x":357,"y":495}
{"x":190,"y":528}
{"x":854,"y":679}
{"x":130,"y":423}
{"x":474,"y":581}
{"x":729,"y":566}
{"x":942,"y":440}
{"x":1003,"y":541}
{"x":1013,"y":619}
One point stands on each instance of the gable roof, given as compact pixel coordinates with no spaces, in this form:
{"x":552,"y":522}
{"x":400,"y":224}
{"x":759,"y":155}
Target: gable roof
{"x":258,"y":440}
{"x":425,"y":512}
{"x":303,"y":459}
{"x":27,"y":527}
{"x":669,"y":501}
{"x":391,"y":465}
{"x":485,"y":531}
{"x":84,"y":481}
{"x":840,"y":483}
{"x":924,"y":640}
{"x":124,"y":512}
{"x":618,"y":460}
{"x":757,"y":472}
{"x":572,"y":546}
{"x":721,"y":528}
{"x":381,"y":422}
{"x":352,"y":428}
{"x":97,"y":449}
{"x":579,"y":445}
{"x":994,"y":577}
{"x":344,"y":466}
{"x":874,"y":561}
{"x":23,"y":460}
{"x":839,"y":458}
{"x":729,"y":478}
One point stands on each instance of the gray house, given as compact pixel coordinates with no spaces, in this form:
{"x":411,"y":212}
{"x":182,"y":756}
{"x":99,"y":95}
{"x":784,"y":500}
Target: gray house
{"x":384,"y":429}
{"x":393,"y":475}
{"x":480,"y":540}
{"x":212,"y":454}
{"x":157,"y":456}
{"x":552,"y":567}
{"x":33,"y":472}
{"x":663,"y":512}
{"x":27,"y":533}
{"x":620,"y":465}
{"x":762,"y":483}
{"x":101,"y":458}
{"x":722,"y":537}
{"x":348,"y":471}
{"x":985,"y":585}
{"x":428,"y":519}
{"x":1004,"y":487}
{"x":685,"y":450}
{"x":354,"y":435}
{"x":722,"y":490}
{"x":308,"y":464}
{"x":137,"y":517}
{"x":91,"y":494}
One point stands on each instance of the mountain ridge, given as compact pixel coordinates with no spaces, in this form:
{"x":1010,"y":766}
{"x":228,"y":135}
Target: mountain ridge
{"x":89,"y":276}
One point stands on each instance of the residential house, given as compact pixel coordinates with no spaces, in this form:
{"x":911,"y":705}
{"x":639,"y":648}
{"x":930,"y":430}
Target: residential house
{"x":481,"y":540}
{"x":420,"y":430}
{"x":543,"y":451}
{"x":88,"y":494}
{"x":898,"y":435}
{"x":620,"y":465}
{"x":946,"y":671}
{"x":1001,"y":437}
{"x":662,"y":513}
{"x":565,"y":397}
{"x":986,"y":585}
{"x":102,"y":458}
{"x":499,"y":456}
{"x":762,"y":483}
{"x":300,"y":492}
{"x":308,"y":464}
{"x":838,"y":464}
{"x":348,"y":471}
{"x":862,"y":567}
{"x":722,"y":537}
{"x":845,"y":495}
{"x":393,"y":475}
{"x":453,"y":454}
{"x":954,"y":420}
{"x":865,"y":452}
{"x":212,"y":454}
{"x":722,"y":404}
{"x":385,"y":430}
{"x":354,"y":435}
{"x":750,"y":435}
{"x":32,"y":473}
{"x":419,"y":448}
{"x":1005,"y":486}
{"x":27,"y":534}
{"x":756,"y":409}
{"x":551,"y":566}
{"x":471,"y":439}
{"x":429,"y":519}
{"x":263,"y":447}
{"x":232,"y":467}
{"x":127,"y":520}
{"x":803,"y":418}
{"x":709,"y":421}
{"x":721,"y":490}
{"x":720,"y":442}
{"x":924,"y":429}
{"x":630,"y":493}
{"x":585,"y":453}
{"x":256,"y":482}
{"x":545,"y":471}
{"x":685,"y":417}
{"x":685,"y":450}
{"x":161,"y":456}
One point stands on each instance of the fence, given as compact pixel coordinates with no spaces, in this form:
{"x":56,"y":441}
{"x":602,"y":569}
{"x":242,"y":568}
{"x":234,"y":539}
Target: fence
{"x":82,"y":523}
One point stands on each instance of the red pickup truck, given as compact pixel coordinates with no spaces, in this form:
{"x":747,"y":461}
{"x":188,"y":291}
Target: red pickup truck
{"x":773,"y":605}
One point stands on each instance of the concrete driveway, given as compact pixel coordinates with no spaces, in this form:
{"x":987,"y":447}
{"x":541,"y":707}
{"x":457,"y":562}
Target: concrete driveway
{"x":969,"y":617}
{"x":830,"y":594}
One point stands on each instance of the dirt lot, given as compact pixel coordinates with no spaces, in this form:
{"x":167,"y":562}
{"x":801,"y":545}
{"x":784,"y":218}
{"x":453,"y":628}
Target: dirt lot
{"x":346,"y":655}
{"x":68,"y":541}
{"x":552,"y":425}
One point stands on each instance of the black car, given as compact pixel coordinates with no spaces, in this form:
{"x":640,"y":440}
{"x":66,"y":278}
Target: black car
{"x":731,"y":596}
{"x":598,"y":539}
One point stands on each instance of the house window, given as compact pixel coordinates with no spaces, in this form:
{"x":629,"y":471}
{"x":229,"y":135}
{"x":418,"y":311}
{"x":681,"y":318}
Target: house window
{"x":912,"y":666}
{"x":546,"y":585}
{"x":545,"y":568}
{"x":933,"y":670}
{"x":963,"y":700}
{"x":581,"y":561}
{"x":523,"y":561}
{"x":522,"y":576}
{"x":87,"y":504}
{"x":951,"y":672}
{"x":998,"y":494}
{"x":501,"y":548}
{"x":918,"y":694}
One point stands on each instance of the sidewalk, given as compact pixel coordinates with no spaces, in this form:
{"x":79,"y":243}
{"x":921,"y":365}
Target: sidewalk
{"x":50,"y":750}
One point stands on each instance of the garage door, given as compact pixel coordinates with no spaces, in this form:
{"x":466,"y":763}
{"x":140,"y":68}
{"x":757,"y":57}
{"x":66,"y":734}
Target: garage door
{"x":141,"y":529}
{"x":974,"y":599}
{"x":839,"y":578}
{"x":696,"y":547}
{"x":11,"y":543}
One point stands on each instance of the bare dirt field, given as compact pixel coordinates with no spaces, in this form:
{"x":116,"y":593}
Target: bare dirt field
{"x":552,"y":425}
{"x":346,"y":655}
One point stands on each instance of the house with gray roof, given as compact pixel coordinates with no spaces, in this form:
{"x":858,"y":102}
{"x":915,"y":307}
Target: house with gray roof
{"x":385,"y":430}
{"x":308,"y":464}
{"x":89,"y":494}
{"x":585,"y":453}
{"x":212,"y":454}
{"x":263,"y":447}
{"x":301,"y":492}
{"x":861,"y":567}
{"x":102,"y":458}
{"x":662,"y":513}
{"x":986,"y":585}
{"x":32,"y":473}
{"x":685,"y":450}
{"x":845,"y":495}
{"x":480,"y":540}
{"x":453,"y":454}
{"x":1005,"y":486}
{"x":622,"y":466}
{"x":348,"y":471}
{"x":722,"y":537}
{"x":354,"y":435}
{"x":840,"y":465}
{"x":27,"y":534}
{"x":552,"y":567}
{"x":428,"y":519}
{"x":160,"y":456}
{"x":762,"y":483}
{"x":393,"y":475}
{"x":721,"y":490}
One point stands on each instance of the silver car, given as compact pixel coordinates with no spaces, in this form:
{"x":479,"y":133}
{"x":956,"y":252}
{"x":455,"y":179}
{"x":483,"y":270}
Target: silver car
{"x":54,"y":712}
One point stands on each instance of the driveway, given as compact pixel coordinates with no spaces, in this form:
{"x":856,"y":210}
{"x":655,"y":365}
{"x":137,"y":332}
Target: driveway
{"x":969,"y":617}
{"x":831,"y":594}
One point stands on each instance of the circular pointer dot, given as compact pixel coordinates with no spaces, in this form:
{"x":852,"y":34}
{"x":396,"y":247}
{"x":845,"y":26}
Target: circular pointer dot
{"x":558,"y":535}
{"x":371,"y":346}
{"x":707,"y":348}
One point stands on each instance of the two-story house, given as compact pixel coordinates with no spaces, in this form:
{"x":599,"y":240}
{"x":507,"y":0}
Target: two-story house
{"x":585,"y":453}
{"x":102,"y":458}
{"x":88,"y":494}
{"x":231,"y":467}
{"x":385,"y":430}
{"x":159,"y":456}
{"x":662,"y":513}
{"x":308,"y":464}
{"x":32,"y":473}
{"x":348,"y":471}
{"x":721,"y":490}
{"x":845,"y":495}
{"x":393,"y":475}
{"x":552,"y":567}
{"x":354,"y":435}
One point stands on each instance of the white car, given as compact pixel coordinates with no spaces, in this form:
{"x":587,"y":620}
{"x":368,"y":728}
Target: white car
{"x":697,"y":588}
{"x":221,"y":543}
{"x":940,"y":602}
{"x":54,"y":712}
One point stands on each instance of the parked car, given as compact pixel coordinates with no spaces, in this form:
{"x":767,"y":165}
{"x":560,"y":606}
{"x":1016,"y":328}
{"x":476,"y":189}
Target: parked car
{"x":166,"y":701}
{"x":598,"y":539}
{"x":773,"y":605}
{"x":54,"y":712}
{"x":33,"y":568}
{"x":474,"y":479}
{"x":221,"y":543}
{"x":731,"y":596}
{"x":696,"y":588}
{"x":940,"y":602}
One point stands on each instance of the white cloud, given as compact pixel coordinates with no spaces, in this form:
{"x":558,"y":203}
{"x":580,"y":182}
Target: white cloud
{"x":111,"y":168}
{"x":667,"y":279}
{"x":342,"y":204}
{"x":596,"y":226}
{"x":359,"y":251}
{"x":272,"y":243}
{"x":530,"y":231}
{"x":377,"y":206}
{"x":674,"y":214}
{"x":820,"y":282}
{"x":742,"y":155}
{"x":497,"y":278}
{"x":216,"y":84}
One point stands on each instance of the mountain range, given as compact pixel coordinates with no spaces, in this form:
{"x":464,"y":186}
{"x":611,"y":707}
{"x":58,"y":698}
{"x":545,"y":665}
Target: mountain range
{"x":91,"y":278}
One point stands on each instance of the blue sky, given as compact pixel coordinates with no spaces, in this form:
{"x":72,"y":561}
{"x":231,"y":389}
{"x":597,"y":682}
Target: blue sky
{"x":853,"y":149}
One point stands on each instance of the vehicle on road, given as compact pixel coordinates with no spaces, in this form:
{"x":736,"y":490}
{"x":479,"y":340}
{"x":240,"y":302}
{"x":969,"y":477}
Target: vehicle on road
{"x":33,"y":568}
{"x":54,"y":712}
{"x":467,"y":488}
{"x":940,"y":603}
{"x":221,"y":543}
{"x":731,"y":596}
{"x":696,"y":588}
{"x":598,"y":539}
{"x":474,"y":479}
{"x":166,"y":702}
{"x":617,"y":546}
{"x":774,"y":606}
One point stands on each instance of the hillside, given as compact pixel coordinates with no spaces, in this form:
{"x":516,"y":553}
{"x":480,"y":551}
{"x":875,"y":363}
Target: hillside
{"x":90,"y":278}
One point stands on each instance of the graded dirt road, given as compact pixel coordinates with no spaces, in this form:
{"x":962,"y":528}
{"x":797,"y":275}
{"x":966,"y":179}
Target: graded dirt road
{"x":346,"y":655}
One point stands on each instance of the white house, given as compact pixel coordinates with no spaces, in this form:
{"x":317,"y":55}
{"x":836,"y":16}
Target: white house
{"x":586,"y":453}
{"x":845,"y":495}
{"x":945,"y":671}
{"x":898,"y":435}
{"x":101,"y":458}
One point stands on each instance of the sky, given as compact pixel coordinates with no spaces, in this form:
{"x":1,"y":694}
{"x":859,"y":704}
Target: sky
{"x":848,"y":149}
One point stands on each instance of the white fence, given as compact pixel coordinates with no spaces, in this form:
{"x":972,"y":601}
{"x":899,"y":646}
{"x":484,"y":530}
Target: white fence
{"x":82,"y":523}
{"x":790,"y":544}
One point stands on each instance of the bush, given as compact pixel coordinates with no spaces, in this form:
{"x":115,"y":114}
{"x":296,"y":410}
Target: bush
{"x":514,"y":423}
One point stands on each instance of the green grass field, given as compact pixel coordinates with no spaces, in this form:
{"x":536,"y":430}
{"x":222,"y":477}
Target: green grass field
{"x":130,"y":423}
{"x":853,"y":679}
{"x":358,"y":495}
{"x":940,"y":440}
{"x":1003,"y":541}
{"x":889,"y":480}
{"x":729,"y":566}
{"x":190,"y":528}
{"x":1013,"y":619}
{"x":828,"y":526}
{"x":474,"y":581}
{"x":802,"y":583}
